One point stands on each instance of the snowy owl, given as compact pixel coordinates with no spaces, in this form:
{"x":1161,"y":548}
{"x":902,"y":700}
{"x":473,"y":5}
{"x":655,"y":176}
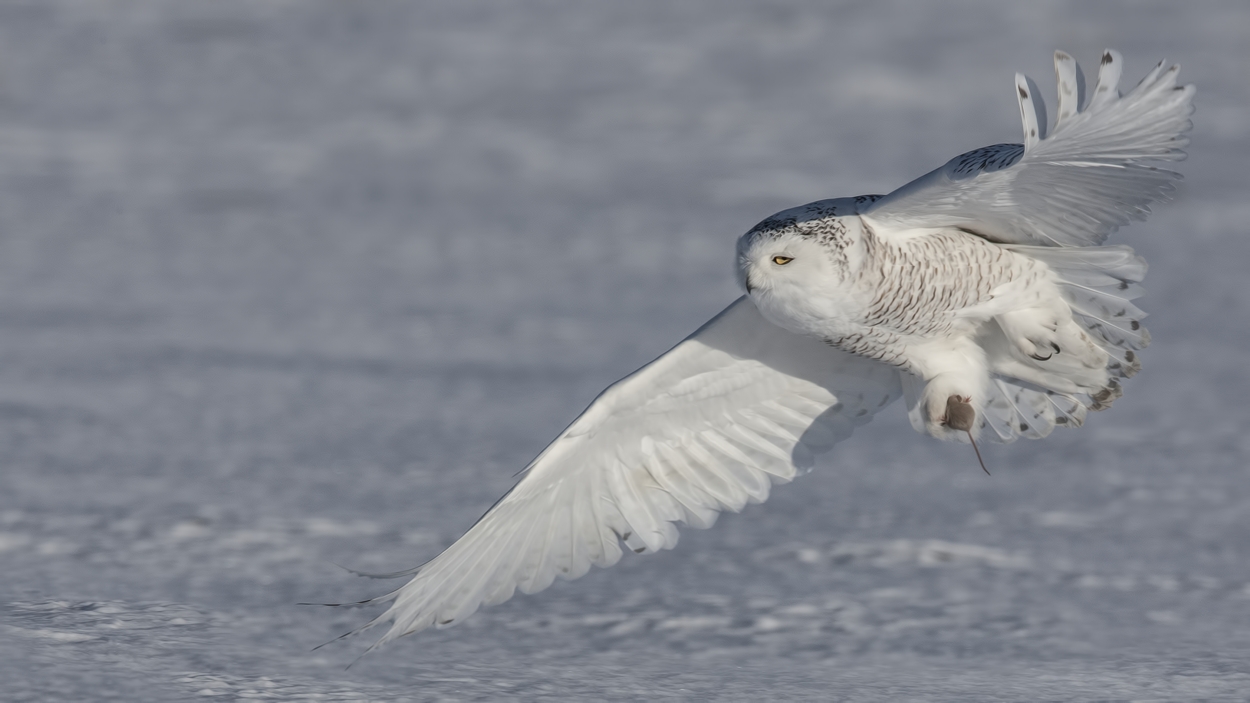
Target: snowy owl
{"x":981,"y":293}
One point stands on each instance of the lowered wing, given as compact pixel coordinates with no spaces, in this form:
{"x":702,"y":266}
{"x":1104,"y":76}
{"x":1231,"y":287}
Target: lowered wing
{"x":708,"y":426}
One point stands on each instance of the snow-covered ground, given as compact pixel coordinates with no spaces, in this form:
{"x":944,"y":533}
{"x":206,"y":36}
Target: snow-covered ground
{"x":285,"y":285}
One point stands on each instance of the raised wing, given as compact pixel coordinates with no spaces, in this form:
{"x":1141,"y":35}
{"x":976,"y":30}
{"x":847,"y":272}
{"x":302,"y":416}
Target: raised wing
{"x":1094,"y":173}
{"x":708,"y":426}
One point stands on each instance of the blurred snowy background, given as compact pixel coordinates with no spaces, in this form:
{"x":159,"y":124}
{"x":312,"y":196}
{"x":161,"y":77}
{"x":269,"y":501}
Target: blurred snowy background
{"x":288,"y":284}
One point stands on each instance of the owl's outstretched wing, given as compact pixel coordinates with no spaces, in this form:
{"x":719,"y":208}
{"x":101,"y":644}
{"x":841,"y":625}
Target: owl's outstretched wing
{"x":1094,"y":173}
{"x":706,"y":427}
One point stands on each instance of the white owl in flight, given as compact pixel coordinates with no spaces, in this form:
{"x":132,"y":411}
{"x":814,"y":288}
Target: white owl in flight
{"x":980,"y":292}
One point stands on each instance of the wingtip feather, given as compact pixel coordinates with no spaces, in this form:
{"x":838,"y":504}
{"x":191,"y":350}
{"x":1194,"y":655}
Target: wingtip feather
{"x":1110,"y":67}
{"x":1032,"y":111}
{"x":1071,"y":86}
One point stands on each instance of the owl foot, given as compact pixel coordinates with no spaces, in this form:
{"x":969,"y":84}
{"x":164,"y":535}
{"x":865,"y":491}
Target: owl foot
{"x":1037,"y":346}
{"x":1034,"y":331}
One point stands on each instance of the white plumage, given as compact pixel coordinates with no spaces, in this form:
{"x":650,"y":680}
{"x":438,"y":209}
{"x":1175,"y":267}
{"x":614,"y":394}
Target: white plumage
{"x":978,"y":291}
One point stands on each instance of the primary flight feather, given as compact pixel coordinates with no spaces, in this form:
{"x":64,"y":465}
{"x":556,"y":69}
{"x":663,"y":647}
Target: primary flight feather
{"x":980,"y":292}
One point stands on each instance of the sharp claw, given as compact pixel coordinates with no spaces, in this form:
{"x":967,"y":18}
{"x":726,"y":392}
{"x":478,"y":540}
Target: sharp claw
{"x":1039,"y":357}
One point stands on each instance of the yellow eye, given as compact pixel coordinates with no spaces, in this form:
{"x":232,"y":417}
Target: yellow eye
{"x":782,"y":260}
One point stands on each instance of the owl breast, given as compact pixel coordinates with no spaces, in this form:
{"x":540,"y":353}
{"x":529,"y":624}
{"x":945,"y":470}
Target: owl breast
{"x":900,"y":293}
{"x":920,"y":283}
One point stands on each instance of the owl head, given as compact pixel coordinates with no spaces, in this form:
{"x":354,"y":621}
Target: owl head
{"x":800,"y":248}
